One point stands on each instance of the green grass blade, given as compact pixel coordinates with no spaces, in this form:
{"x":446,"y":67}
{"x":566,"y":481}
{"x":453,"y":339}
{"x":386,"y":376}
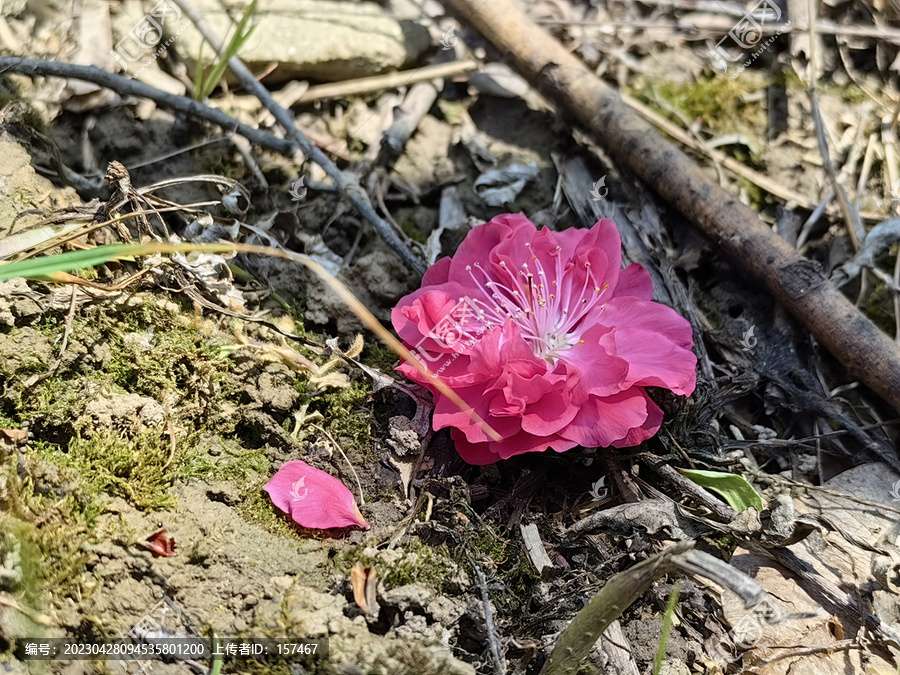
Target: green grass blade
{"x":217,"y":661}
{"x":734,"y":489}
{"x":241,"y":35}
{"x":666,"y":628}
{"x":67,"y":262}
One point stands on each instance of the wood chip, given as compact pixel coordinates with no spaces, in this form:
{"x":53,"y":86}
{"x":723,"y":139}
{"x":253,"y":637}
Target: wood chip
{"x":534,"y":548}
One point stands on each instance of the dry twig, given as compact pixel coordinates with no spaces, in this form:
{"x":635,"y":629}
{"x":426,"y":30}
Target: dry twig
{"x":499,"y":666}
{"x":128,"y":87}
{"x":854,"y":227}
{"x":368,"y":85}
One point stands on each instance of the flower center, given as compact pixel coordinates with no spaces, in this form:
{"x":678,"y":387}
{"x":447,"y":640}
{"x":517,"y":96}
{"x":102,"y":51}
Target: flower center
{"x":549,"y":311}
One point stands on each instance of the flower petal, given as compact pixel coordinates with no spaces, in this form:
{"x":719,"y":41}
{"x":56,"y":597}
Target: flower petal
{"x":603,"y":421}
{"x":648,"y":429}
{"x":483,"y":239}
{"x":607,"y":373}
{"x":313,"y":498}
{"x":635,"y":280}
{"x":655,"y":341}
{"x":439,"y":273}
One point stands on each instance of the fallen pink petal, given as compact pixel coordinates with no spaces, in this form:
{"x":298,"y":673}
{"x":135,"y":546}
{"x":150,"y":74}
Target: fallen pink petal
{"x":546,"y":338}
{"x":313,"y":498}
{"x":160,"y":543}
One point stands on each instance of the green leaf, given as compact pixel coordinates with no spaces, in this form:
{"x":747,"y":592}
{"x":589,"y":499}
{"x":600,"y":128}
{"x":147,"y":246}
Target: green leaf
{"x":732,"y":488}
{"x":66,"y":262}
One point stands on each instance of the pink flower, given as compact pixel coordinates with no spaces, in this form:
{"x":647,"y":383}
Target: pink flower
{"x":546,"y":338}
{"x":313,"y":498}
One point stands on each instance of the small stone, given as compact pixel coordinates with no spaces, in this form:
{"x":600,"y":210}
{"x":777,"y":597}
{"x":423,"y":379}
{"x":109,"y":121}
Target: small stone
{"x":390,"y":556}
{"x":281,"y":583}
{"x":225,"y":492}
{"x":403,"y":439}
{"x":314,"y":39}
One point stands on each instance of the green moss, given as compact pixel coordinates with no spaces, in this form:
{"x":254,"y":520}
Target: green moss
{"x":410,"y":230}
{"x":417,"y":563}
{"x":377,"y":355}
{"x":258,"y":508}
{"x":789,"y":79}
{"x":511,"y":567}
{"x":56,"y":401}
{"x":31,"y":367}
{"x":153,"y":354}
{"x":879,"y":305}
{"x":849,"y":92}
{"x":725,"y":544}
{"x":756,"y":196}
{"x":152,"y":351}
{"x":232,"y":463}
{"x":348,"y":416}
{"x":137,"y":469}
{"x":718,"y":101}
{"x":49,"y":531}
{"x":17,"y":552}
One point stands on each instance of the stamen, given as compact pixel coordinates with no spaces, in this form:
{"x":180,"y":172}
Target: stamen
{"x":549,"y":323}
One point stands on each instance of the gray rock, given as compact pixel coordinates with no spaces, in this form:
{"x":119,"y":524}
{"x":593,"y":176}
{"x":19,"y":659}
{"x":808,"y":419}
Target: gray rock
{"x":446,"y":611}
{"x":18,"y":302}
{"x":409,"y":596}
{"x":12,"y":7}
{"x":317,"y":39}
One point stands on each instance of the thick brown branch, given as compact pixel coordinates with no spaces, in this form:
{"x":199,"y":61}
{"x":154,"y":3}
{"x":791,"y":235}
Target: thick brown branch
{"x":798,"y":283}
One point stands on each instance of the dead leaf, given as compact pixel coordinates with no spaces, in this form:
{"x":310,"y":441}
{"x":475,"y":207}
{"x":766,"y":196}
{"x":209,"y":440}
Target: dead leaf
{"x":770,"y":644}
{"x":363,"y":581}
{"x":13,"y":436}
{"x":501,"y":186}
